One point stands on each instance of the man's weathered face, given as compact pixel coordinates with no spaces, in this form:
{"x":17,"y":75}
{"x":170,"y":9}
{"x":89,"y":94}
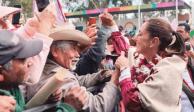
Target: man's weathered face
{"x":18,"y":71}
{"x":67,"y":57}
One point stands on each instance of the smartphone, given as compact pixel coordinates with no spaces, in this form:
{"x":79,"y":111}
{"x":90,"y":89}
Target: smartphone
{"x":16,"y":16}
{"x":80,"y":28}
{"x":187,"y":46}
{"x":92,"y":20}
{"x":42,"y":4}
{"x":113,"y":57}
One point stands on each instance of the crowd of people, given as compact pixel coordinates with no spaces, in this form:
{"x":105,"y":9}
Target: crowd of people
{"x":103,"y":69}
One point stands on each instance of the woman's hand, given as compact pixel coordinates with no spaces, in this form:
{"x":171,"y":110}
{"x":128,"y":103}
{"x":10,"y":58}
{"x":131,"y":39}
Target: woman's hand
{"x":122,"y":62}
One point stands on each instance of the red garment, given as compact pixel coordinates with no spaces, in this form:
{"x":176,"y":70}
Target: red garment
{"x":139,"y":76}
{"x":130,"y":97}
{"x":129,"y":91}
{"x":119,"y":42}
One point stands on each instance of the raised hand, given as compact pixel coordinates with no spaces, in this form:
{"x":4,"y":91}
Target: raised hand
{"x":47,"y":19}
{"x":42,"y":22}
{"x":107,"y":19}
{"x":76,"y":97}
{"x":91,"y":32}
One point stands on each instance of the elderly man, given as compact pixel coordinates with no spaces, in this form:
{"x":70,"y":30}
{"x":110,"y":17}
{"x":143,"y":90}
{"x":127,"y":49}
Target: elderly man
{"x":64,"y":54}
{"x":14,"y":64}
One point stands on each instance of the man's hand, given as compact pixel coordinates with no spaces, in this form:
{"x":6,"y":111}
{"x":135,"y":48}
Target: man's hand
{"x":190,"y":54}
{"x":7,"y":104}
{"x":115,"y":77}
{"x":47,"y":19}
{"x":56,"y":96}
{"x":107,"y":19}
{"x":42,"y":22}
{"x":91,"y":32}
{"x":77,"y":97}
{"x":31,"y":26}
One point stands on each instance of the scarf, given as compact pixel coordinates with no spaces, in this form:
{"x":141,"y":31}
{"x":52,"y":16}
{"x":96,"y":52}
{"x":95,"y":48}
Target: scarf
{"x":63,"y":107}
{"x":142,"y":69}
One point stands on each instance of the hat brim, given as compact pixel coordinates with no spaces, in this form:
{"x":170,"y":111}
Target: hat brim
{"x":8,"y":10}
{"x":30,"y":48}
{"x":73,"y":35}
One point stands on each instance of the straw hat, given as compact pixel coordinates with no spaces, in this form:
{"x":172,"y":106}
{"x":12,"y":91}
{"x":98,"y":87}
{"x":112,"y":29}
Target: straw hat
{"x":63,"y":33}
{"x":8,"y":10}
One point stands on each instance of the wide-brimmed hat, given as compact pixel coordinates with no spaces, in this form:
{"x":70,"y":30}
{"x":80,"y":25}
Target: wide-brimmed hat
{"x":8,"y":10}
{"x":12,"y":46}
{"x":62,"y":33}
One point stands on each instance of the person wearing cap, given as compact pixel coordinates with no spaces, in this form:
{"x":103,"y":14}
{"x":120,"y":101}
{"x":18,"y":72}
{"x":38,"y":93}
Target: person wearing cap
{"x":36,"y":28}
{"x":15,"y":53}
{"x":64,"y":54}
{"x":39,"y":27}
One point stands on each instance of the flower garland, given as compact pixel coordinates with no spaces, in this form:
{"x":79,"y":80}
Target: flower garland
{"x":142,"y":69}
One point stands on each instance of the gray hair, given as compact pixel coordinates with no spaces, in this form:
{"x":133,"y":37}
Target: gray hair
{"x":64,"y":44}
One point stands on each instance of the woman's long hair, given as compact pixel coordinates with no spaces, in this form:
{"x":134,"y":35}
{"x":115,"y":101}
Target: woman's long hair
{"x":171,"y":42}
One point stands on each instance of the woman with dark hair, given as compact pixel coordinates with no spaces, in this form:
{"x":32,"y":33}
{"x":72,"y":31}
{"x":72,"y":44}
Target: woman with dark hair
{"x":154,"y":84}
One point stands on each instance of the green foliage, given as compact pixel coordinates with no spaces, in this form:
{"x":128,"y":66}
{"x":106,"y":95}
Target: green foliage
{"x":27,"y":7}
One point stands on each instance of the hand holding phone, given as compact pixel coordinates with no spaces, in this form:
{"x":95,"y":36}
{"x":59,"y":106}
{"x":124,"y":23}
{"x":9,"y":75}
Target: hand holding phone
{"x":92,"y":20}
{"x":187,"y":46}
